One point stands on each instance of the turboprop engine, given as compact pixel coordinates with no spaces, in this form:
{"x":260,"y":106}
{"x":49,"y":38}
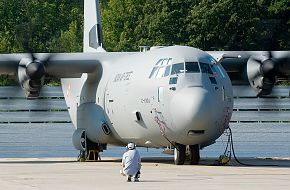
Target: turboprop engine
{"x":31,"y":73}
{"x":262,"y":71}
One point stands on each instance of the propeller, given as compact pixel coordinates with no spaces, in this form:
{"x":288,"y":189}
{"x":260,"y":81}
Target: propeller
{"x":32,"y":69}
{"x":262,"y":72}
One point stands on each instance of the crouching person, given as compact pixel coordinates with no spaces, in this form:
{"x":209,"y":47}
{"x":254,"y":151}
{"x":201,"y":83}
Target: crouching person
{"x":131,"y":163}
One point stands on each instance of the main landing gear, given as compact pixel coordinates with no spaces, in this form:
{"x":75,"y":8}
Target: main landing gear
{"x":180,"y":154}
{"x":92,"y":151}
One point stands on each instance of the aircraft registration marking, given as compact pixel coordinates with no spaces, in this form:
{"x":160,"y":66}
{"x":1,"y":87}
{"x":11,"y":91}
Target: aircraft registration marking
{"x":147,"y":100}
{"x":123,"y":76}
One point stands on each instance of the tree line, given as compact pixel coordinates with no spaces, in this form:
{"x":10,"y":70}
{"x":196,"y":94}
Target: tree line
{"x":57,"y":25}
{"x":41,"y":25}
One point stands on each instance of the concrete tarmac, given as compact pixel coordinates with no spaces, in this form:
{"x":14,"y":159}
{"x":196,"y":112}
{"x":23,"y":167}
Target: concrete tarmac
{"x":67,"y":174}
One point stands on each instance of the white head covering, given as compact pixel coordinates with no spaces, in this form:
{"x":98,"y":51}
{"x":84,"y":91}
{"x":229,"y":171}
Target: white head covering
{"x":131,"y":146}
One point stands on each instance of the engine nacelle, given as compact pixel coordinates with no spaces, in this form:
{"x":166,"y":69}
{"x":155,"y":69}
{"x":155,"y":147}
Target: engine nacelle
{"x":91,"y":118}
{"x":79,"y":139}
{"x":32,"y":88}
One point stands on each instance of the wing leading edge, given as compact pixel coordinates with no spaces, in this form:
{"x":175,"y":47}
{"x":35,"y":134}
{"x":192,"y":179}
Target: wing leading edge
{"x":61,"y":65}
{"x":32,"y":68}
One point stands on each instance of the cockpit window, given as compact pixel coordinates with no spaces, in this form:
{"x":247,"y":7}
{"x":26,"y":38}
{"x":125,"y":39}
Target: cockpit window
{"x":160,"y":72}
{"x":205,"y":68}
{"x":191,"y":67}
{"x":161,"y":68}
{"x":220,"y":71}
{"x":165,"y":62}
{"x":167,"y":71}
{"x":159,"y":62}
{"x":154,"y":72}
{"x":210,"y":70}
{"x":212,"y":60}
{"x":177,"y":68}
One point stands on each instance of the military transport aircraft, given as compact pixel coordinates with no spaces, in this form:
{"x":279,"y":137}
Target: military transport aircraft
{"x":178,"y":97}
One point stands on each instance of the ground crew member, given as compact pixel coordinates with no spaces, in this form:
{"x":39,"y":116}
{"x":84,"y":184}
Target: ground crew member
{"x":131,"y":163}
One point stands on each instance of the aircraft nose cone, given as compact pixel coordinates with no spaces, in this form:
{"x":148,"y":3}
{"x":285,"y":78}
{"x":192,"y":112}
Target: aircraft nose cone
{"x":193,"y":109}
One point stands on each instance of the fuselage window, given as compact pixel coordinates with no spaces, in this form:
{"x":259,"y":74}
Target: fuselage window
{"x":177,"y":68}
{"x":191,"y":67}
{"x":173,"y":80}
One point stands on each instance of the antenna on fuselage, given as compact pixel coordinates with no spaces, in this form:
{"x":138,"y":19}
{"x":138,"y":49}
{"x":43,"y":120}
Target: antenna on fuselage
{"x":93,"y":34}
{"x":144,"y":48}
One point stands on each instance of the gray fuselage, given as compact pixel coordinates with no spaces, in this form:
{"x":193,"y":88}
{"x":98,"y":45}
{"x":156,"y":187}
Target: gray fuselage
{"x":177,"y":94}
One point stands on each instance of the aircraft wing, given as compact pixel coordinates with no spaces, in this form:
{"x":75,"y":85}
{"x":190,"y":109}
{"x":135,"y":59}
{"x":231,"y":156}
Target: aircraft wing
{"x":32,"y":68}
{"x":260,"y":69}
{"x":61,"y":65}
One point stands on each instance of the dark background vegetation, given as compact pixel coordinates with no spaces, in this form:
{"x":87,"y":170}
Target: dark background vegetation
{"x":57,"y":25}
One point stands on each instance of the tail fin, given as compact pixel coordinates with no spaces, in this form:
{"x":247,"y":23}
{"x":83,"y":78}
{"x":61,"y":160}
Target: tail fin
{"x":93,"y":36}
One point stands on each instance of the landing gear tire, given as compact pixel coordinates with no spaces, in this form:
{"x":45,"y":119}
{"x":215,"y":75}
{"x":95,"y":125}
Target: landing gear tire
{"x":194,"y":154}
{"x":179,"y":154}
{"x":82,"y":156}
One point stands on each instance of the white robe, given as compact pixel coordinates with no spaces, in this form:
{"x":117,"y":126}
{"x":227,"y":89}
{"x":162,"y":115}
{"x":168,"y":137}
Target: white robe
{"x":131,"y":162}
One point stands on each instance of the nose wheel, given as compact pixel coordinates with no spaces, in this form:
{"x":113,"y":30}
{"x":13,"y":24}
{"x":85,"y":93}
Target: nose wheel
{"x":194,"y":154}
{"x":179,"y":154}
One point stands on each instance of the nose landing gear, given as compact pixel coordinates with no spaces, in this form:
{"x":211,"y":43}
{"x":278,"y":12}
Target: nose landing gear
{"x":180,"y":154}
{"x":194,"y":154}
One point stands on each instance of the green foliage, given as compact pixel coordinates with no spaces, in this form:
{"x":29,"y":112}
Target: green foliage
{"x":70,"y":40}
{"x":283,"y":83}
{"x":131,"y":23}
{"x":228,"y":24}
{"x":40,"y":24}
{"x":57,"y":25}
{"x":6,"y":80}
{"x":205,"y":24}
{"x":52,"y":82}
{"x":280,"y":11}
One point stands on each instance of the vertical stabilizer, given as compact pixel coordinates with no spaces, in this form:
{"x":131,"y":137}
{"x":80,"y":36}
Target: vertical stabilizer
{"x":93,"y":35}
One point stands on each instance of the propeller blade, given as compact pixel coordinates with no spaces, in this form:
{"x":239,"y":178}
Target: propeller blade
{"x":269,"y":68}
{"x":253,"y":68}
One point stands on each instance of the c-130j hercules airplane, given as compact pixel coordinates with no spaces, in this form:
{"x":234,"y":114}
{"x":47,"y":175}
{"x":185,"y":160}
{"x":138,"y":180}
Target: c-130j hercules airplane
{"x":174,"y":96}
